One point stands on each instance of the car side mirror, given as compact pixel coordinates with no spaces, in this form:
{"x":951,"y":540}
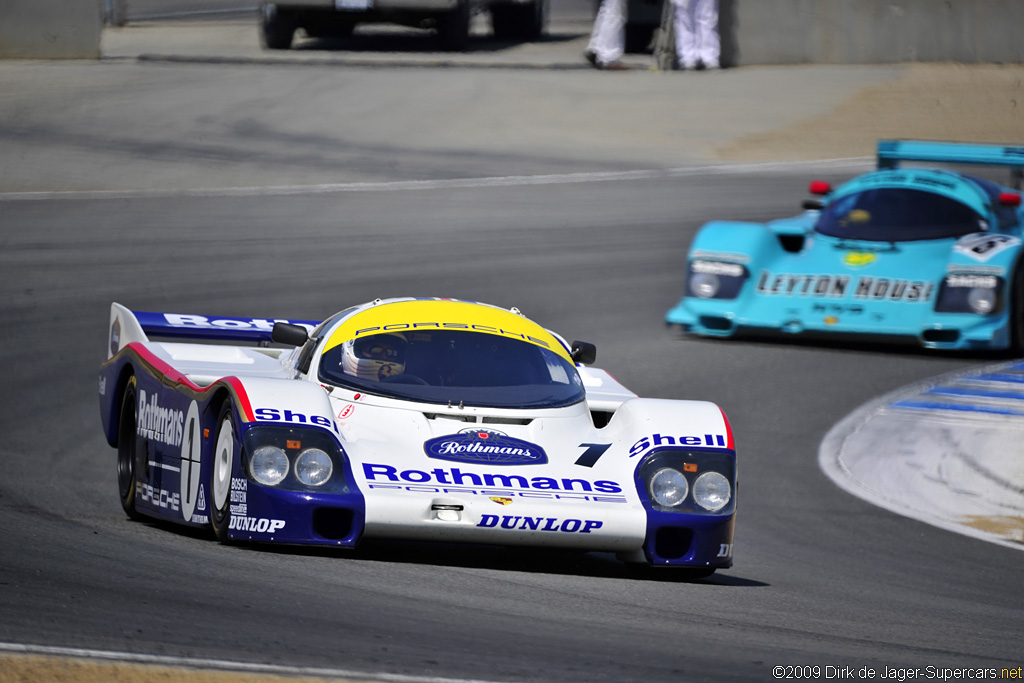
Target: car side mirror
{"x":288,"y":334}
{"x":583,"y":352}
{"x":812,"y":204}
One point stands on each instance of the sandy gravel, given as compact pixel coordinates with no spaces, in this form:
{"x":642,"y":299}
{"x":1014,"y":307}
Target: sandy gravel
{"x":971,"y":103}
{"x":33,"y":669}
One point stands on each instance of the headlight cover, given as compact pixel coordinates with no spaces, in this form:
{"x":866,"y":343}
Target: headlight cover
{"x":715,"y":279}
{"x":712,"y":491}
{"x":294,"y":459}
{"x":978,"y":293}
{"x":693,"y":481}
{"x":669,"y":487}
{"x":269,"y":465}
{"x":313,"y":467}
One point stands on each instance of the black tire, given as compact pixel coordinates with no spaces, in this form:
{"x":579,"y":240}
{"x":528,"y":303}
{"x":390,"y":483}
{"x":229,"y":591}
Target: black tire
{"x":221,"y":472}
{"x":277,"y":28}
{"x":128,"y":447}
{"x":520,"y":21}
{"x":453,"y":28}
{"x":1016,"y":305}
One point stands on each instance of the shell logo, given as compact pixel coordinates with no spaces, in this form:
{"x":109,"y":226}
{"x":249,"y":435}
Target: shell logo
{"x":859,"y":259}
{"x":501,"y":500}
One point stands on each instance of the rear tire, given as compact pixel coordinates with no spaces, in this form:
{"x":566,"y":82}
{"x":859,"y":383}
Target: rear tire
{"x":277,"y":28}
{"x":453,"y":28}
{"x":127,"y":450}
{"x":221,"y":471}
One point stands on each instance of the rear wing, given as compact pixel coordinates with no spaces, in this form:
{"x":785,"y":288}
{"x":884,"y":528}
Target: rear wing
{"x":127,"y":326}
{"x":892,"y":152}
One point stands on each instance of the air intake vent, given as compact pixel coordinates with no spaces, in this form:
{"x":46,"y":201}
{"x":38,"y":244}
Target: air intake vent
{"x":507,"y":420}
{"x":941,"y":336}
{"x":480,"y":419}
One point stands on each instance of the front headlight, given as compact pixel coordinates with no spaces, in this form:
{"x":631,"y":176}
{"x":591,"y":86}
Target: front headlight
{"x":715,"y":279}
{"x":982,"y":300}
{"x":688,"y":481}
{"x":669,"y":487}
{"x":294,"y":459}
{"x":269,"y":465}
{"x":970,"y":293}
{"x":712,"y":491}
{"x":704,"y":285}
{"x":313,"y":467}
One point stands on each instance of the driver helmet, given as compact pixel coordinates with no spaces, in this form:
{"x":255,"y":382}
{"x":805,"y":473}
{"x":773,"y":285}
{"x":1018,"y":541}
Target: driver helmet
{"x":374,"y":358}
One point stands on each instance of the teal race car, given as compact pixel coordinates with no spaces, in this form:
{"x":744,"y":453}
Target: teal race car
{"x":902,"y":254}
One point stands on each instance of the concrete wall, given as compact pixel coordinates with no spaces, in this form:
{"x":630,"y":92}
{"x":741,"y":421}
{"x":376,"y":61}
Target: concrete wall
{"x":50,"y":29}
{"x":871,"y":31}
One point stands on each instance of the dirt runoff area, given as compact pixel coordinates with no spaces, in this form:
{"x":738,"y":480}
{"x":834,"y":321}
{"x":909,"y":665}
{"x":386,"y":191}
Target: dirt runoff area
{"x":943,"y":101}
{"x":17,"y":668}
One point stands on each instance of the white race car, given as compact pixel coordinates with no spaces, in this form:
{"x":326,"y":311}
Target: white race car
{"x":426,"y":419}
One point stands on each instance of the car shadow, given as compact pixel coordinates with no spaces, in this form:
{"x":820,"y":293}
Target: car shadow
{"x":864,"y":345}
{"x":512,"y":559}
{"x":475,"y":556}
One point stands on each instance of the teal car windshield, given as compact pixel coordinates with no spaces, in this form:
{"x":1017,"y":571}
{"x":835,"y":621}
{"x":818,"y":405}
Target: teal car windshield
{"x":898,"y":215}
{"x":454,"y":367}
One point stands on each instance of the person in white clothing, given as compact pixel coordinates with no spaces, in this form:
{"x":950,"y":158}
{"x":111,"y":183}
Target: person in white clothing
{"x":608,"y":38}
{"x":696,"y":26}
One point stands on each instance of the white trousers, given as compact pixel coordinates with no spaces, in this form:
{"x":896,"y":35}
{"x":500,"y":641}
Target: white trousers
{"x":697,"y":32}
{"x":608,"y":39}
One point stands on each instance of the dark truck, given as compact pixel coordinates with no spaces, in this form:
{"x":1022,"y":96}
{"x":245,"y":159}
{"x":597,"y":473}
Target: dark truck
{"x":521,"y":20}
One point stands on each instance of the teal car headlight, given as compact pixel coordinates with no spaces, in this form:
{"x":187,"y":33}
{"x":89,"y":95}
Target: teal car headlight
{"x":715,"y":279}
{"x":981,"y":294}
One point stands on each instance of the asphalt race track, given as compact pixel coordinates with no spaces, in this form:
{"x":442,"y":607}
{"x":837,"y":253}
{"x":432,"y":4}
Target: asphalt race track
{"x":821,"y":578}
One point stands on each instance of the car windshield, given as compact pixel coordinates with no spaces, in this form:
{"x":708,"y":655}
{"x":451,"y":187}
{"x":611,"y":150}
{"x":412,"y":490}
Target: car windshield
{"x":454,"y":366}
{"x":898,"y":215}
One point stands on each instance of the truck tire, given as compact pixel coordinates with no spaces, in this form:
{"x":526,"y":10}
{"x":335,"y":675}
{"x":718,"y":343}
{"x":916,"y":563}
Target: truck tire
{"x":453,"y":28}
{"x":523,"y":21}
{"x":277,"y":28}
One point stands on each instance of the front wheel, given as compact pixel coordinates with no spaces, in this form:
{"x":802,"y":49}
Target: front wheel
{"x":127,"y":451}
{"x":221,"y":470}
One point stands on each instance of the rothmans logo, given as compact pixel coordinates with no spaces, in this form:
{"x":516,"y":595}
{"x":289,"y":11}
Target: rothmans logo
{"x":485,"y":446}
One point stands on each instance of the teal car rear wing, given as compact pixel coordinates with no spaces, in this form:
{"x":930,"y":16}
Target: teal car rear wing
{"x":892,"y":152}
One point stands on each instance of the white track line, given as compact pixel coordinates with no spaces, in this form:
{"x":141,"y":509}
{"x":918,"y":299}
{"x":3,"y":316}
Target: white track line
{"x":223,"y":665}
{"x":403,"y":185}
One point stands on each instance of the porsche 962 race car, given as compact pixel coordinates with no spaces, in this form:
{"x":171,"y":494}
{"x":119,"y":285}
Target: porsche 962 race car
{"x":426,"y":419}
{"x":928,"y":256}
